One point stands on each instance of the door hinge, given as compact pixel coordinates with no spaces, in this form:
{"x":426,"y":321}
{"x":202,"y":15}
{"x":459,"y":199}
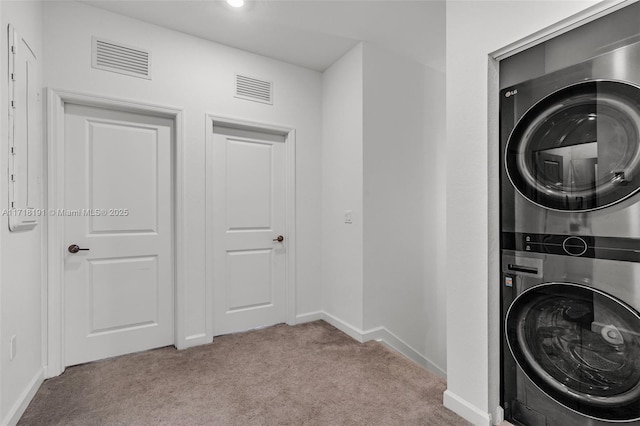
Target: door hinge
{"x":13,"y":178}
{"x":13,"y":36}
{"x":13,"y":77}
{"x":13,"y":150}
{"x":13,"y":104}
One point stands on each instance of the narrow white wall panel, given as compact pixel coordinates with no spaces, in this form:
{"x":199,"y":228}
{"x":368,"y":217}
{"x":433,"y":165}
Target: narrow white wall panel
{"x":342,"y":245}
{"x":21,"y":253}
{"x":401,"y":136}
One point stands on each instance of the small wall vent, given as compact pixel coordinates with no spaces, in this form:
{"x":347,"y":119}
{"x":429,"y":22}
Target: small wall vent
{"x":116,"y":57}
{"x":254,"y":89}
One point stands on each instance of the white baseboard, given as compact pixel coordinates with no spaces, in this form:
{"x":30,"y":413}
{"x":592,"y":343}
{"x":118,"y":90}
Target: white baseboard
{"x":194,"y":340}
{"x":18,"y":409}
{"x":466,"y":410}
{"x":392,"y":341}
{"x":385,"y":337}
{"x":346,"y":328}
{"x":308,"y":317}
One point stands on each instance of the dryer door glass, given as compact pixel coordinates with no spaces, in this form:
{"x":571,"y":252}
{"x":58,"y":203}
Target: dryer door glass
{"x":578,"y":148}
{"x":580,"y":346}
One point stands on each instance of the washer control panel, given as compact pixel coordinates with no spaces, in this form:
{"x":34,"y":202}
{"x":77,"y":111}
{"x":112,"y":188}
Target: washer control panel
{"x":612,"y":248}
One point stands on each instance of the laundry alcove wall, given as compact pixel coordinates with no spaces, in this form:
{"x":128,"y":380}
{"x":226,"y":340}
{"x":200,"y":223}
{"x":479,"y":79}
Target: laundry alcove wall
{"x":472,"y":185}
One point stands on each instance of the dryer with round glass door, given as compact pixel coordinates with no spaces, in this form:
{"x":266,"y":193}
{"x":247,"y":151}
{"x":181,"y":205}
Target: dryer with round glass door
{"x":577,"y":149}
{"x":570,"y":148}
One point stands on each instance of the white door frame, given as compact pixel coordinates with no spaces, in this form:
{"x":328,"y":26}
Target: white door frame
{"x":53,"y":300}
{"x":289,"y":134}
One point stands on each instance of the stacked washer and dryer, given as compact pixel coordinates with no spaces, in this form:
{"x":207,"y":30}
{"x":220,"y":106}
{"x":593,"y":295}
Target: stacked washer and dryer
{"x":570,"y":227}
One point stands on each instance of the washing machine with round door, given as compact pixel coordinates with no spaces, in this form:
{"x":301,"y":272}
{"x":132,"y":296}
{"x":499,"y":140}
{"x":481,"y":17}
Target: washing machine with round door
{"x":571,"y":346}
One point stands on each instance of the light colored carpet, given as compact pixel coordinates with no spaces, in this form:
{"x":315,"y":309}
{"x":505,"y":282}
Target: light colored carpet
{"x":310,"y":374}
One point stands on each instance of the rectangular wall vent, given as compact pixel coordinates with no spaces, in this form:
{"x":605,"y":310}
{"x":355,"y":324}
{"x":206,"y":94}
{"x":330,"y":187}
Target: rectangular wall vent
{"x":116,"y":57}
{"x":254,"y":89}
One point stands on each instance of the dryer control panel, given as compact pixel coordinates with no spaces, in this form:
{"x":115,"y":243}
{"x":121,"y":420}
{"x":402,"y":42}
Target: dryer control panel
{"x":611,"y":248}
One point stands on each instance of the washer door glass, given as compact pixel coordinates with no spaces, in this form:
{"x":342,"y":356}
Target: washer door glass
{"x":579,"y":346}
{"x":578,"y":148}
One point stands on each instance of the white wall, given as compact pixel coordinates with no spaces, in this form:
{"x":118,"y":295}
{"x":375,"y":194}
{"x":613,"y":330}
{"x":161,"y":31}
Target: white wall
{"x":342,"y":185}
{"x":435,"y":202}
{"x":475,"y":29}
{"x":383,"y":126}
{"x":21,"y":280}
{"x":403,"y":109}
{"x":198,"y":76}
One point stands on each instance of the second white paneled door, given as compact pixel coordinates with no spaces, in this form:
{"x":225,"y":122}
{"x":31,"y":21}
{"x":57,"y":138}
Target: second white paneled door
{"x":246,"y":250}
{"x":118,"y":267}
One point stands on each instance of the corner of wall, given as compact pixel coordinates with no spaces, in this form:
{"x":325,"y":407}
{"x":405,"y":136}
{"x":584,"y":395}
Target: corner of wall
{"x":389,"y":339}
{"x":342,"y":188}
{"x":21,"y":260}
{"x":465,"y":409}
{"x":403,"y":168}
{"x":19,"y":407}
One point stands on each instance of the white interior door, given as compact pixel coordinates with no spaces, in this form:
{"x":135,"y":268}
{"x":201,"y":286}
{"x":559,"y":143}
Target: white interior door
{"x":118,"y":188}
{"x":246,"y":217}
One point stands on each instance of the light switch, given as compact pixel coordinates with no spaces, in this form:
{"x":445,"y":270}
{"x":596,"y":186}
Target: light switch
{"x":347,"y":216}
{"x":12,"y":348}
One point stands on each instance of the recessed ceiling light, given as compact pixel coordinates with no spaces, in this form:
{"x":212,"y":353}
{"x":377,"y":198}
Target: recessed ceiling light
{"x":236,"y":3}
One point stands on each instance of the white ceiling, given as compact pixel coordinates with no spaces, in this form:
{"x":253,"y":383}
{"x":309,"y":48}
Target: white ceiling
{"x":309,"y":33}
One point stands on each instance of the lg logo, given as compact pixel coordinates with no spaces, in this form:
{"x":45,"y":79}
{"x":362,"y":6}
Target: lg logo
{"x":510,"y":93}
